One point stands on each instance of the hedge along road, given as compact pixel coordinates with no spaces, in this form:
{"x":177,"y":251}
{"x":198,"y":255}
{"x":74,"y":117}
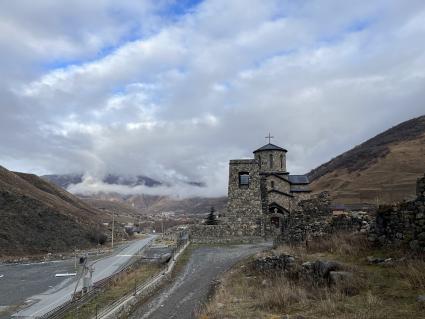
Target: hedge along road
{"x":62,"y":292}
{"x":181,"y":299}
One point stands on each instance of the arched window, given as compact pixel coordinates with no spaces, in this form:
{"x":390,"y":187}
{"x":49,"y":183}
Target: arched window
{"x":271,"y":160}
{"x":243,"y":179}
{"x":281,"y":161}
{"x":272,"y":184}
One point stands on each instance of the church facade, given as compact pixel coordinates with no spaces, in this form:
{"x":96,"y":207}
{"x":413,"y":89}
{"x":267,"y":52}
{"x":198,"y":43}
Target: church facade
{"x":262,"y":194}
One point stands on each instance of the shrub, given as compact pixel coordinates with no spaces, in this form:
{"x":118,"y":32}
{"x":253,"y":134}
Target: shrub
{"x":98,"y":237}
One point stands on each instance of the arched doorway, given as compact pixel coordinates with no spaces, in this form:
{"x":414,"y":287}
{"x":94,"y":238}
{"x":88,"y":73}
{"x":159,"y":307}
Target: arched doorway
{"x":278,"y":217}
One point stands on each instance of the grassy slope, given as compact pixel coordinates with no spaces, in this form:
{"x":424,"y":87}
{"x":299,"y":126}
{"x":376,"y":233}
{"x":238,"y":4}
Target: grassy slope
{"x":382,"y":169}
{"x":37,"y":217}
{"x":391,"y":179}
{"x":382,"y":291}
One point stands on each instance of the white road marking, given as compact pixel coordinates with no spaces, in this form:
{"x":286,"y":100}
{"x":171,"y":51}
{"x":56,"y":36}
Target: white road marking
{"x":67,"y":274}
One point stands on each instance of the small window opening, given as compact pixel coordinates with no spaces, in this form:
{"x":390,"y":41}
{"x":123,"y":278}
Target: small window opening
{"x":271,"y":160}
{"x":244,"y":179}
{"x":272,"y":184}
{"x":281,"y":161}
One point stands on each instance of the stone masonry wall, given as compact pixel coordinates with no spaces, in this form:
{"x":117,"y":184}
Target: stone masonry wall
{"x":402,"y":224}
{"x":313,"y":218}
{"x":244,"y":203}
{"x":224,"y":233}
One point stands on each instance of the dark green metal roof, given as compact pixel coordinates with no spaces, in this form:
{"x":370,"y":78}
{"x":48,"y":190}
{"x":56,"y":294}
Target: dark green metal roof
{"x":298,"y":179}
{"x":270,"y":147}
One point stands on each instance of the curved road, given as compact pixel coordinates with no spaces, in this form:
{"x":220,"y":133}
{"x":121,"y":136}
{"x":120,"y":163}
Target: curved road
{"x":182,"y":298}
{"x":59,"y":294}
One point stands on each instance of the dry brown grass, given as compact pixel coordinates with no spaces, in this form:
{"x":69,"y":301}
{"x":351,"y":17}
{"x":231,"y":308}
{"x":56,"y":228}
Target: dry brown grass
{"x":123,"y":285}
{"x":413,"y":273}
{"x":375,"y":292}
{"x":280,"y":294}
{"x":342,"y":244}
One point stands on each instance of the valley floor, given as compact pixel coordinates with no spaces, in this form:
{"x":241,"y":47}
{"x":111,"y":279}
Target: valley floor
{"x":377,"y":290}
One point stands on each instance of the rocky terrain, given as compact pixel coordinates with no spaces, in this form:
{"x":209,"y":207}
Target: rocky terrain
{"x":39,"y":217}
{"x":383,"y":169}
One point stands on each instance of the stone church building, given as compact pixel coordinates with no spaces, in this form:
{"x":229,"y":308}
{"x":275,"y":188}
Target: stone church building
{"x":262,"y":194}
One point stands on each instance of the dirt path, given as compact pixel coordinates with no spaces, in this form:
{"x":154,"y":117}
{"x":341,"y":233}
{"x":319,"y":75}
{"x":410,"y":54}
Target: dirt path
{"x":181,"y":298}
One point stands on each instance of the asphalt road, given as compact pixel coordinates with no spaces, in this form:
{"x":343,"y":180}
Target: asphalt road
{"x":32,"y":278}
{"x":21,"y":281}
{"x":182,"y":298}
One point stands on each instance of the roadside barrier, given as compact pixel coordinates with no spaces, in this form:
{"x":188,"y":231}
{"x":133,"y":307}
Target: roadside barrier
{"x":76,"y":304}
{"x":126,"y":302}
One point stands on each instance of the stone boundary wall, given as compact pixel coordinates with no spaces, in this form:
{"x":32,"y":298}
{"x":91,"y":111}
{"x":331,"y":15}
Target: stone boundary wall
{"x":313,"y":218}
{"x":223,"y":233}
{"x":310,"y":219}
{"x":402,"y":224}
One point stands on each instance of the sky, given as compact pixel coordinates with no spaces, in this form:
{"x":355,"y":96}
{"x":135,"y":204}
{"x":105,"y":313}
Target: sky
{"x":175,"y":89}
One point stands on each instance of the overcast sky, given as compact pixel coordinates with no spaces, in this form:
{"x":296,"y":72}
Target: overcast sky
{"x":174,"y":89}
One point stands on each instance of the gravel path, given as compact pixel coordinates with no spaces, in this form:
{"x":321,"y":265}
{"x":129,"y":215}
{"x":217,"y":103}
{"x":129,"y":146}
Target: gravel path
{"x":191,"y":287}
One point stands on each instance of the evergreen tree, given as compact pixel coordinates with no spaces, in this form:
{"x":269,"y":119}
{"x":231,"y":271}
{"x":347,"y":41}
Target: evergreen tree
{"x":211,"y":219}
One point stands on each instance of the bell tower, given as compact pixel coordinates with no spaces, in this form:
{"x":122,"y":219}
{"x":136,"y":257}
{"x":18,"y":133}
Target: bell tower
{"x":271,"y":158}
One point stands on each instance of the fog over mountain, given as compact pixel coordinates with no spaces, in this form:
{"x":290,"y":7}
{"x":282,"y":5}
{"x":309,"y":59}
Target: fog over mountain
{"x":174,"y":89}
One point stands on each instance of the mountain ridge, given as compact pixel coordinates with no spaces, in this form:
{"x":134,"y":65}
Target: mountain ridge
{"x":382,"y":169}
{"x":38,"y":217}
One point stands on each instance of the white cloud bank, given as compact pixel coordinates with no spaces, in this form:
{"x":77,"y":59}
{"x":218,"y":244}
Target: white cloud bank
{"x":153,"y":88}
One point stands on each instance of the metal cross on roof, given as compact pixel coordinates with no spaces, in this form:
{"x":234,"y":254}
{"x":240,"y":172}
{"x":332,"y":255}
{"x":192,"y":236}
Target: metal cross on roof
{"x":269,"y":137}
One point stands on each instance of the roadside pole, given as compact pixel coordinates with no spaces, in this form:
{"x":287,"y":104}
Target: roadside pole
{"x":113,"y":225}
{"x":162,"y":224}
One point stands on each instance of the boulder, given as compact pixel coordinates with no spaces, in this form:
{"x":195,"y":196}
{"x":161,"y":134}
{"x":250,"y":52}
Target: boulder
{"x":322,"y":268}
{"x":340,"y":277}
{"x":281,"y":262}
{"x":375,"y":260}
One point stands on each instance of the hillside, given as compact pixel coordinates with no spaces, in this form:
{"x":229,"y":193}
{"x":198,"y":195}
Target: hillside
{"x":383,"y":169}
{"x":124,"y":213}
{"x":38,"y":217}
{"x":194,"y":205}
{"x":154,"y":204}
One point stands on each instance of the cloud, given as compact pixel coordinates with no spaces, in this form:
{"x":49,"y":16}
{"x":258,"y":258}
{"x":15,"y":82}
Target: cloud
{"x":173,"y":91}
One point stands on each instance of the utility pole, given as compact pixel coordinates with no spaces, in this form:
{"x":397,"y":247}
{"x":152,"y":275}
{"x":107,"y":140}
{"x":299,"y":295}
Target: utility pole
{"x":75,"y":258}
{"x":113,"y":226}
{"x":135,"y":286}
{"x":162,"y":225}
{"x":138,"y":225}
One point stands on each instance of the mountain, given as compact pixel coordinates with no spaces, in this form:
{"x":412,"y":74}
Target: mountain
{"x":124,"y":213}
{"x":39,"y":217}
{"x":154,"y":204}
{"x":66,"y":180}
{"x":383,"y":169}
{"x":192,"y":206}
{"x":127,"y":205}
